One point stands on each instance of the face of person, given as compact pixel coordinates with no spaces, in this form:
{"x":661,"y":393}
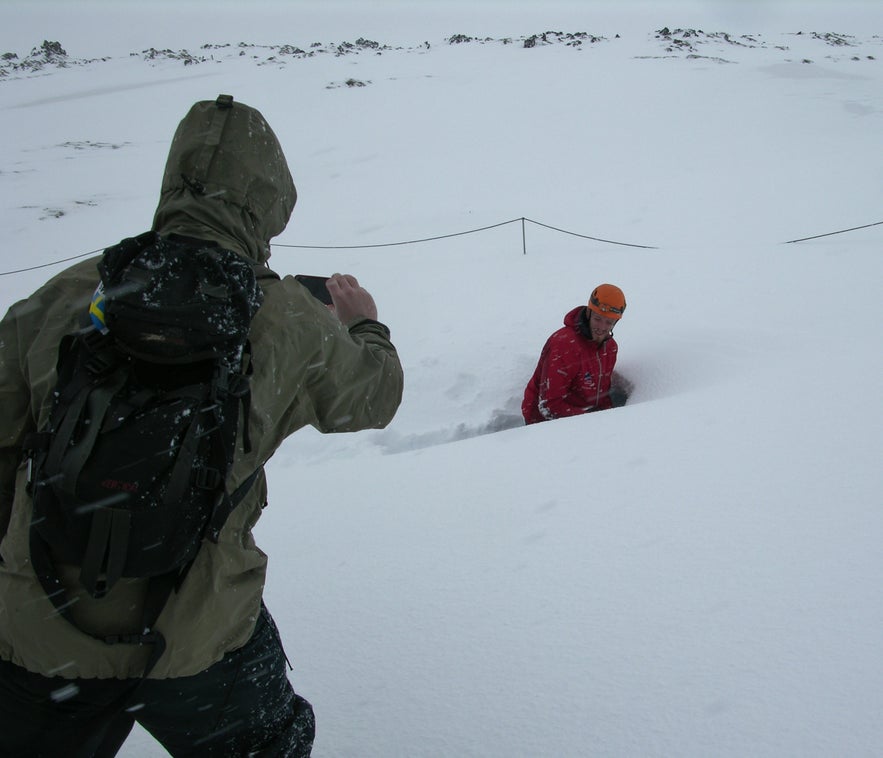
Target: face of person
{"x":600,"y":326}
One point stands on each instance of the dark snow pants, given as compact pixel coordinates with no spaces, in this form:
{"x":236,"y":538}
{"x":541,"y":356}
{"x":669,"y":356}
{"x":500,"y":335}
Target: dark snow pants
{"x":243,"y":705}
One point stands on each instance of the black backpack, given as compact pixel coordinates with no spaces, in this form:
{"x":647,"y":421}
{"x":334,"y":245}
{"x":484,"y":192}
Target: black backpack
{"x":129,"y":475}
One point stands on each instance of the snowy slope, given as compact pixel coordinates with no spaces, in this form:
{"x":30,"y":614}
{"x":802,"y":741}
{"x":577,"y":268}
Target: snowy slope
{"x":695,"y":574}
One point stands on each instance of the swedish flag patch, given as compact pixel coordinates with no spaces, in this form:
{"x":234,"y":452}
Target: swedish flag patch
{"x":96,"y":309}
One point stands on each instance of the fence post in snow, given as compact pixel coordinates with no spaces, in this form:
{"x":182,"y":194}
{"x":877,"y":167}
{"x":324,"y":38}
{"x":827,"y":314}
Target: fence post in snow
{"x":523,"y":238}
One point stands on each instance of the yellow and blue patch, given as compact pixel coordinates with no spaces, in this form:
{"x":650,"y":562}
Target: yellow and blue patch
{"x":96,"y":309}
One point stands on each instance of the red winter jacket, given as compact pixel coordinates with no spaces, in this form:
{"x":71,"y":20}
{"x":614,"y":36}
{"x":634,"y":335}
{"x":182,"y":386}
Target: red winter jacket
{"x":573,"y":374}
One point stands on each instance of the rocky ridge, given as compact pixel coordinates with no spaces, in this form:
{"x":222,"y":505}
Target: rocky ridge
{"x":689,"y":44}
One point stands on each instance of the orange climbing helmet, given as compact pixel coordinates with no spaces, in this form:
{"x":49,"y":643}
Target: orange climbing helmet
{"x":608,"y":301}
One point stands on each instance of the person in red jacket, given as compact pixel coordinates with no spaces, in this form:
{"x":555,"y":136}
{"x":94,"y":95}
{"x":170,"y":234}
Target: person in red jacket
{"x":575,"y":369}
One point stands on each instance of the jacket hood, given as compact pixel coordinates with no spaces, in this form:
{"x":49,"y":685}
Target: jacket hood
{"x":226,"y":179}
{"x":573,"y":317}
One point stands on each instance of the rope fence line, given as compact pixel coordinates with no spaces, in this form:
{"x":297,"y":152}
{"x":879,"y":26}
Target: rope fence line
{"x":522,"y":219}
{"x":52,"y":263}
{"x":828,"y":234}
{"x":394,"y":244}
{"x":586,"y":237}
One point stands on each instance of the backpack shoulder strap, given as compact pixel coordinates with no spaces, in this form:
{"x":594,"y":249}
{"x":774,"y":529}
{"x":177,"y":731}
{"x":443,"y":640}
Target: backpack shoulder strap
{"x":227,"y":504}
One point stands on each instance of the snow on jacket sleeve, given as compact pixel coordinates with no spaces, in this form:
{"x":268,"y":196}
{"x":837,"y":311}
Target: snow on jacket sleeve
{"x":312,"y":370}
{"x":361,"y":388}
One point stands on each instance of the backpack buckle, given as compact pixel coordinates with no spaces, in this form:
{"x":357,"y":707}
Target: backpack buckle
{"x":207,"y":478}
{"x":221,"y":380}
{"x":100,"y":363}
{"x":102,"y":358}
{"x":101,"y":589}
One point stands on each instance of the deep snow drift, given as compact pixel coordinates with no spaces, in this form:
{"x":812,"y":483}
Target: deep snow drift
{"x":697,"y":573}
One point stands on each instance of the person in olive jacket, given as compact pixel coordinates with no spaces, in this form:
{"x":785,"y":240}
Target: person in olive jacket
{"x":575,"y":370}
{"x":220,"y":687}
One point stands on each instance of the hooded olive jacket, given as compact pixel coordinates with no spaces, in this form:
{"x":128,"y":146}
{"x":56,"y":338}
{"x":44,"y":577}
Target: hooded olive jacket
{"x":226,"y":181}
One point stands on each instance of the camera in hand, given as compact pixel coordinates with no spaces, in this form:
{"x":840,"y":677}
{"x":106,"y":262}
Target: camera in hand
{"x":317,"y":286}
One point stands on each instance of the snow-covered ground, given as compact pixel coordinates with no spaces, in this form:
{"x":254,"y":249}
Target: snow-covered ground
{"x":695,"y":574}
